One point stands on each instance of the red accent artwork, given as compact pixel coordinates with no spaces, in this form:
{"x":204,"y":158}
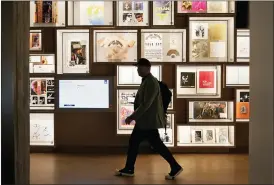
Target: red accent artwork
{"x":206,"y":79}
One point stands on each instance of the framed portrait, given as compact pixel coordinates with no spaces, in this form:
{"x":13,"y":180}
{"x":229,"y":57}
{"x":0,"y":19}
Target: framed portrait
{"x":237,"y":75}
{"x":35,"y":40}
{"x":242,"y":105}
{"x":243,"y":45}
{"x":90,"y":13}
{"x":41,"y":129}
{"x":132,"y":13}
{"x":72,"y":51}
{"x":47,"y":13}
{"x":42,"y":93}
{"x":160,"y":45}
{"x":115,"y":45}
{"x":171,"y":104}
{"x":128,"y":75}
{"x":163,"y":12}
{"x":209,"y":135}
{"x":197,"y":136}
{"x":42,"y":63}
{"x":211,"y":39}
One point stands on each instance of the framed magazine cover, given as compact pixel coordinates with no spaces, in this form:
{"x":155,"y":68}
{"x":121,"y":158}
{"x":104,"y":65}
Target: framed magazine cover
{"x":163,"y":12}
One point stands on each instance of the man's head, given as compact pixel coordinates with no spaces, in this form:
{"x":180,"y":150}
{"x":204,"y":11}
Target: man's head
{"x":143,"y":67}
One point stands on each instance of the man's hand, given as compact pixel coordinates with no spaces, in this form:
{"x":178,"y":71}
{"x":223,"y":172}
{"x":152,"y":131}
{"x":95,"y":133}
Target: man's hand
{"x":128,"y":120}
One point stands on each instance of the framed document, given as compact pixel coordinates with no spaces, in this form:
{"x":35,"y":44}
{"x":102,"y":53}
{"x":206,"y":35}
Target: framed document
{"x":42,"y":93}
{"x":211,"y":39}
{"x":42,"y":63}
{"x":47,"y":13}
{"x":242,"y":105}
{"x":72,"y":51}
{"x":243,"y":45}
{"x":35,"y":40}
{"x":115,"y":45}
{"x":159,"y":45}
{"x":237,"y":75}
{"x":90,"y":13}
{"x":132,"y":13}
{"x":163,"y":12}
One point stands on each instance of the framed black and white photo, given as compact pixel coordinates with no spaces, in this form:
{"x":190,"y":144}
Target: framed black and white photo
{"x":237,"y":76}
{"x":168,"y":136}
{"x":35,"y":40}
{"x":197,"y":136}
{"x":163,"y":12}
{"x":243,"y":45}
{"x":42,"y":63}
{"x":209,"y":135}
{"x":222,"y":135}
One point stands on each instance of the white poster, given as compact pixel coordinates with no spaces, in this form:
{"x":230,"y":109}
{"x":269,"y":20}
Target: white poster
{"x":153,"y":46}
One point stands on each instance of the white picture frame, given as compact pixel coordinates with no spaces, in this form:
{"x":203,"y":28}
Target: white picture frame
{"x":35,"y":40}
{"x":197,"y":136}
{"x":242,"y":105}
{"x":168,"y":137}
{"x":42,"y":63}
{"x":163,"y":12}
{"x":209,"y":135}
{"x":237,"y":76}
{"x":243,"y":46}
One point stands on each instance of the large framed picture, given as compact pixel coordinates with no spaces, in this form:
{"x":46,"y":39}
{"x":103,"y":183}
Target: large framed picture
{"x":160,"y":45}
{"x":47,"y":13}
{"x":128,"y":75}
{"x":42,"y":63}
{"x":115,"y":46}
{"x":163,"y":12}
{"x":198,"y":81}
{"x":72,"y":51}
{"x":211,"y":39}
{"x":243,"y":45}
{"x":132,"y":13}
{"x":90,"y":13}
{"x":35,"y":40}
{"x":42,"y":93}
{"x":242,"y":105}
{"x":211,"y":111}
{"x":41,"y":129}
{"x":237,"y":75}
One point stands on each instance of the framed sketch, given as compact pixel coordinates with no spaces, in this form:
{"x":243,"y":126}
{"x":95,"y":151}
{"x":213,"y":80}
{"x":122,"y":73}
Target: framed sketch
{"x":171,"y":106}
{"x":159,"y":45}
{"x":197,"y":136}
{"x":47,"y":13}
{"x":211,"y":39}
{"x":72,"y":51}
{"x":132,"y":13}
{"x":90,"y":13}
{"x":237,"y":75}
{"x":163,"y":12}
{"x":222,"y":136}
{"x":209,"y":135}
{"x":41,"y":129}
{"x":242,"y":105}
{"x":115,"y":45}
{"x":42,"y":93}
{"x":42,"y":63}
{"x":128,"y":75}
{"x":243,"y":45}
{"x":168,"y":136}
{"x":35,"y":40}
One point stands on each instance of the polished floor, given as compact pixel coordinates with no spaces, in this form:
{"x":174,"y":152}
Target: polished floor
{"x":150,"y":169}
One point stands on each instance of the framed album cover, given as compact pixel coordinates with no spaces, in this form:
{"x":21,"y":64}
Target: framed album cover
{"x":47,"y":13}
{"x":243,"y":45}
{"x":242,"y":105}
{"x":237,"y":75}
{"x":90,"y":13}
{"x":163,"y":12}
{"x":42,"y":93}
{"x":132,"y":13}
{"x":35,"y":40}
{"x":160,"y":45}
{"x":72,"y":51}
{"x":42,"y":63}
{"x":211,"y":39}
{"x":115,"y":46}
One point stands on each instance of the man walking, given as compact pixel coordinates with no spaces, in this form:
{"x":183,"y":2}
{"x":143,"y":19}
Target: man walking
{"x":149,"y":117}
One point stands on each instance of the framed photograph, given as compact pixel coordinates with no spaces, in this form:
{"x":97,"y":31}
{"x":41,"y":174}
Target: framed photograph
{"x":132,"y":13}
{"x":243,"y":45}
{"x":209,"y":135}
{"x":159,"y":45}
{"x":197,"y":136}
{"x":171,"y":106}
{"x":42,"y":63}
{"x":222,"y":136}
{"x":72,"y":51}
{"x":90,"y":13}
{"x":41,"y":129}
{"x":115,"y":45}
{"x":168,"y":136}
{"x":128,"y":75}
{"x":237,"y":75}
{"x":242,"y":105}
{"x":35,"y":40}
{"x":42,"y":93}
{"x":211,"y":39}
{"x":163,"y":12}
{"x":47,"y":13}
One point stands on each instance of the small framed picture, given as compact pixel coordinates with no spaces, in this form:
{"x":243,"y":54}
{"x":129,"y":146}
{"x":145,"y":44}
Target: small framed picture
{"x":35,"y":40}
{"x":209,"y":135}
{"x":197,"y":136}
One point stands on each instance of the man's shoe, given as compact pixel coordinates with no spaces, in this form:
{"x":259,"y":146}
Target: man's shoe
{"x":174,"y":172}
{"x":124,"y":172}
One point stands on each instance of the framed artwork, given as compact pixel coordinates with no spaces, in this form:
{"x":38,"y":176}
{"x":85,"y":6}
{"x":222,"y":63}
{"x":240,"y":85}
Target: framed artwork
{"x":209,"y":135}
{"x":237,"y":75}
{"x":41,"y":129}
{"x":90,"y":13}
{"x":159,"y":45}
{"x":168,"y":136}
{"x":42,"y":63}
{"x":115,"y":45}
{"x":197,"y":136}
{"x":163,"y":12}
{"x":42,"y":93}
{"x":72,"y":51}
{"x":242,"y":105}
{"x":222,"y":135}
{"x":47,"y":13}
{"x":132,"y":13}
{"x":243,"y":45}
{"x":35,"y":40}
{"x":128,"y":75}
{"x":211,"y":39}
{"x":171,"y":106}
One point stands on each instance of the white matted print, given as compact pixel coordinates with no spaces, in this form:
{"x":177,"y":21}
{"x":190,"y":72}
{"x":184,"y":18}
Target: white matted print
{"x":35,"y":40}
{"x":163,"y":12}
{"x":42,"y":63}
{"x":243,"y":45}
{"x":237,"y":75}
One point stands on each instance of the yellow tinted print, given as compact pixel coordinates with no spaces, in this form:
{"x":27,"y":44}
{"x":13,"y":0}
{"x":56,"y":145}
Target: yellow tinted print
{"x":217,"y":32}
